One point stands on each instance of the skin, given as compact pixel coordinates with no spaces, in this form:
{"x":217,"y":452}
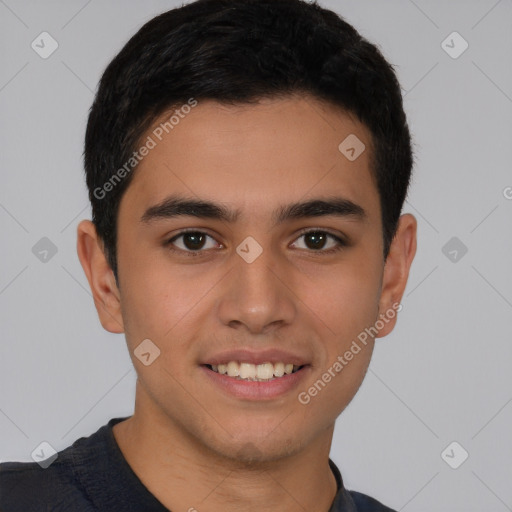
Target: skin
{"x":190,"y":444}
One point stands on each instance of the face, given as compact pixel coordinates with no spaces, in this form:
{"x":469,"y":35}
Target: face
{"x":245,"y":238}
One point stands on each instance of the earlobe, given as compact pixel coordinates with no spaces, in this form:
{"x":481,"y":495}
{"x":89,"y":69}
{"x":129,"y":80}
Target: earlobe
{"x":396,"y":272}
{"x":100,"y":276}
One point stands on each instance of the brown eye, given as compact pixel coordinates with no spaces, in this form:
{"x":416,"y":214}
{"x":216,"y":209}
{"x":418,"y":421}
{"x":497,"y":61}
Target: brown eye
{"x":194,"y":241}
{"x":315,"y":240}
{"x":191,"y":241}
{"x":318,"y":241}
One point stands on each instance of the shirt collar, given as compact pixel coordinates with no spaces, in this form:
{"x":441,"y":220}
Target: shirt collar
{"x":342,"y":501}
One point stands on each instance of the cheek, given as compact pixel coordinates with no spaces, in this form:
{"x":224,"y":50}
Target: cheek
{"x":154,"y":296}
{"x":335,"y":384}
{"x":167,"y":306}
{"x":344,"y":301}
{"x":347,"y":304}
{"x":156,"y":308}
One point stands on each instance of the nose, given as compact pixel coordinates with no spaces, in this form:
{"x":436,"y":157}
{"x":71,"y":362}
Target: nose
{"x":258,"y":296}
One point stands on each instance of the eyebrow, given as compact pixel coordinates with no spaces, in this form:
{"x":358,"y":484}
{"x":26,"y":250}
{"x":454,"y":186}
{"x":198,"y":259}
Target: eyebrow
{"x":175,"y":206}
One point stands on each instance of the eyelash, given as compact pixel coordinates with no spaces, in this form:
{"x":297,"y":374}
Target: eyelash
{"x":194,"y":254}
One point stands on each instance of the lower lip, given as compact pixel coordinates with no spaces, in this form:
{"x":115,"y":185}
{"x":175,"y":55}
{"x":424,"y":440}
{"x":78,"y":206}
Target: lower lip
{"x":257,"y":390}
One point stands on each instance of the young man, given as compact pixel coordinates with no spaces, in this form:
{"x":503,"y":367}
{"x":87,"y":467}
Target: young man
{"x":247,"y":163}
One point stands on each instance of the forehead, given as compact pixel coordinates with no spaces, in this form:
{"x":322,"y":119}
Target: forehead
{"x":256,"y":154}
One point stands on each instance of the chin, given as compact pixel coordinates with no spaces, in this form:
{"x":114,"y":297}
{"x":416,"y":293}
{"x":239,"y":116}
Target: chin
{"x":257,"y":450}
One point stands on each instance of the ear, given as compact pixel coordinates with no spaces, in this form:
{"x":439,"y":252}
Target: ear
{"x":100,"y":276}
{"x":396,"y":272}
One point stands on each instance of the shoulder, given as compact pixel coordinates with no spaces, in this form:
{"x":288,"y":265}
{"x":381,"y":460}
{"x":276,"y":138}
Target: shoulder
{"x":365,"y":503}
{"x":27,"y":487}
{"x":31,"y":487}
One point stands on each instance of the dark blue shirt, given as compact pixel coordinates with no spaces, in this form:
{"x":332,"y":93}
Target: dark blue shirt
{"x":92,"y":475}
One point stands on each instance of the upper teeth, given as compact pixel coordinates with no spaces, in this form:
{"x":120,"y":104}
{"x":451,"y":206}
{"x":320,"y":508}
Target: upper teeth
{"x":263,"y":371}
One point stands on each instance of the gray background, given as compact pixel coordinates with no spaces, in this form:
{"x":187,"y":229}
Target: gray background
{"x":443,"y":375}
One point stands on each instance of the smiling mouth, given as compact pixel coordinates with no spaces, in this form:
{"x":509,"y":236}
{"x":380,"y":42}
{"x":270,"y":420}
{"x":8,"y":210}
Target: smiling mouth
{"x":255,"y":372}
